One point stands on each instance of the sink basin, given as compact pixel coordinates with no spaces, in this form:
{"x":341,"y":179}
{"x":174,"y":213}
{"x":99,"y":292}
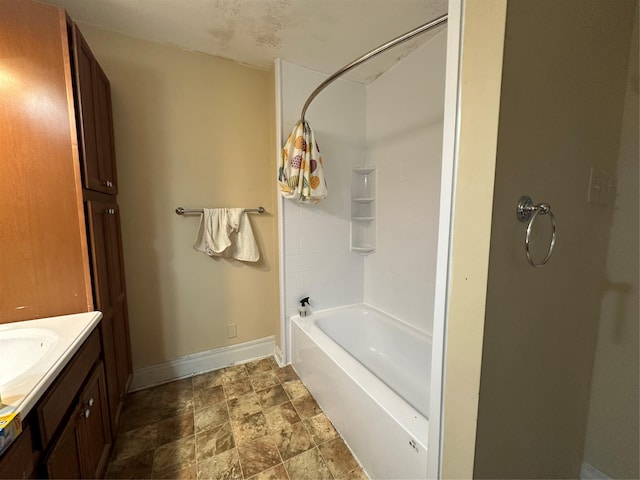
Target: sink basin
{"x":21,"y":349}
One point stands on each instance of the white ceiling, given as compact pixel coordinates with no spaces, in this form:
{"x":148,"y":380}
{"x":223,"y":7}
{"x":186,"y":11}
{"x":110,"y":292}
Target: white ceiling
{"x":322,"y":35}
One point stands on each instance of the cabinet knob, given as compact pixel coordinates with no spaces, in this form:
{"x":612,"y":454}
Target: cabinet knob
{"x":110,"y":211}
{"x":108,"y":183}
{"x":86,"y":413}
{"x":90,"y":402}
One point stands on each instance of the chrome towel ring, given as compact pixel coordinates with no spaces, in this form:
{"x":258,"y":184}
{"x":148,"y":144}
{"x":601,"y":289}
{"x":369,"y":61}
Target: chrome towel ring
{"x":527,"y":211}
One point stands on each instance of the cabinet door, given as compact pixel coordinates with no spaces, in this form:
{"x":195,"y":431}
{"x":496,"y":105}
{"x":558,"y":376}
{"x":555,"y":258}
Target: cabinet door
{"x":98,"y":219}
{"x":100,"y":222}
{"x":104,"y":131}
{"x":93,"y":429}
{"x":64,"y":459}
{"x":94,"y":120}
{"x":84,"y":80}
{"x":122,"y":348}
{"x":109,"y":284}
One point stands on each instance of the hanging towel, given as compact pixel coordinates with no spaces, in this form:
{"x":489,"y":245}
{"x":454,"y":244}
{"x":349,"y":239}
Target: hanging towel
{"x":213,"y":234}
{"x":226,"y":232}
{"x":243,"y":243}
{"x":301,"y":173}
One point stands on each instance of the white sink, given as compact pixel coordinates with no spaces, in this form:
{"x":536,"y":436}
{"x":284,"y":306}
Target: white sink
{"x":21,"y":349}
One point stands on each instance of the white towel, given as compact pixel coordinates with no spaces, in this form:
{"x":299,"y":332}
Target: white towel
{"x":213,"y":234}
{"x":243,"y":243}
{"x":226,"y":232}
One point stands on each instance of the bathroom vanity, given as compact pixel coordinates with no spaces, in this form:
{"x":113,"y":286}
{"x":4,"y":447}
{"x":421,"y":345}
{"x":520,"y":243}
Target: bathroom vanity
{"x":52,"y":377}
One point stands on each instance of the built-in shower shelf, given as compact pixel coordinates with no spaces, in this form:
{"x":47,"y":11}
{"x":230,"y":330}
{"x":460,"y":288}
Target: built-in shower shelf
{"x":363,"y":210}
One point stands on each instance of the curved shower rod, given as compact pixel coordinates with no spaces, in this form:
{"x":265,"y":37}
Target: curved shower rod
{"x":392,"y":43}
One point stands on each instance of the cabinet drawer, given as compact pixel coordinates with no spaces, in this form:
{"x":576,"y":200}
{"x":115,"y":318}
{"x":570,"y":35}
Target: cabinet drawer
{"x":53,"y":407}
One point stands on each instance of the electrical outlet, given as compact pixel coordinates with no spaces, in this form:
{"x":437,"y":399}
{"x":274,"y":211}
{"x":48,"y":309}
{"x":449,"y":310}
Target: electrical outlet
{"x":232,"y":330}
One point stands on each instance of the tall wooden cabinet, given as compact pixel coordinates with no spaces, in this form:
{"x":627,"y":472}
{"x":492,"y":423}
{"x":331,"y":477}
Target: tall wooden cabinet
{"x":60,"y":239}
{"x":94,"y":121}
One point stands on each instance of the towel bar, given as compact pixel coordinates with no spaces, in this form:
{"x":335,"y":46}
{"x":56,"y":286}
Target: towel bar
{"x":187,"y":211}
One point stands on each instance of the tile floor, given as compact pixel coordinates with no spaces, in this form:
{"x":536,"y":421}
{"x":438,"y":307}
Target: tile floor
{"x":252,"y":421}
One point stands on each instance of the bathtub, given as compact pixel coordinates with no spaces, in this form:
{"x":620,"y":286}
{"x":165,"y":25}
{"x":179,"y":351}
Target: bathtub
{"x":370,"y":374}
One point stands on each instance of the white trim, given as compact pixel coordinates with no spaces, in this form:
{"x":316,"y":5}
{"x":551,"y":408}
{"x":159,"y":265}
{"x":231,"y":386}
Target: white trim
{"x":447,"y":187}
{"x":201,"y":362}
{"x":589,"y":472}
{"x":283,"y":358}
{"x":279,"y":356}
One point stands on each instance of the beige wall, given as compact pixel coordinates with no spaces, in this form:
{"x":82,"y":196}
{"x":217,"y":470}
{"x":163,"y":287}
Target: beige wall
{"x":480,"y":70}
{"x":611,"y":444}
{"x":563,"y":87}
{"x":194,"y":131}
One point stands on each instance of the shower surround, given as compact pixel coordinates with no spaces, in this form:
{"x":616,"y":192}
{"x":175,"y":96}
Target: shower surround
{"x":395,"y":124}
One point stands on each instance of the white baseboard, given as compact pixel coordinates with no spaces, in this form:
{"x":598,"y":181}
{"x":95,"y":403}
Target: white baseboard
{"x":201,"y":362}
{"x":589,"y":472}
{"x":279,"y":356}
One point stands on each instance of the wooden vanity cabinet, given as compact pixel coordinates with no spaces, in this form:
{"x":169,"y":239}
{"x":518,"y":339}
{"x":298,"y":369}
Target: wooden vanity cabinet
{"x":77,"y":443}
{"x":73,"y":418}
{"x":67,"y":433}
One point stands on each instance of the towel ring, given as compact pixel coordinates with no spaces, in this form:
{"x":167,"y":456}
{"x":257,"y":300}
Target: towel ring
{"x":527,"y":211}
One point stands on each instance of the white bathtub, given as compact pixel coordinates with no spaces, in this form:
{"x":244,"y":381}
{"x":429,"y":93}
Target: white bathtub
{"x":370,"y":374}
